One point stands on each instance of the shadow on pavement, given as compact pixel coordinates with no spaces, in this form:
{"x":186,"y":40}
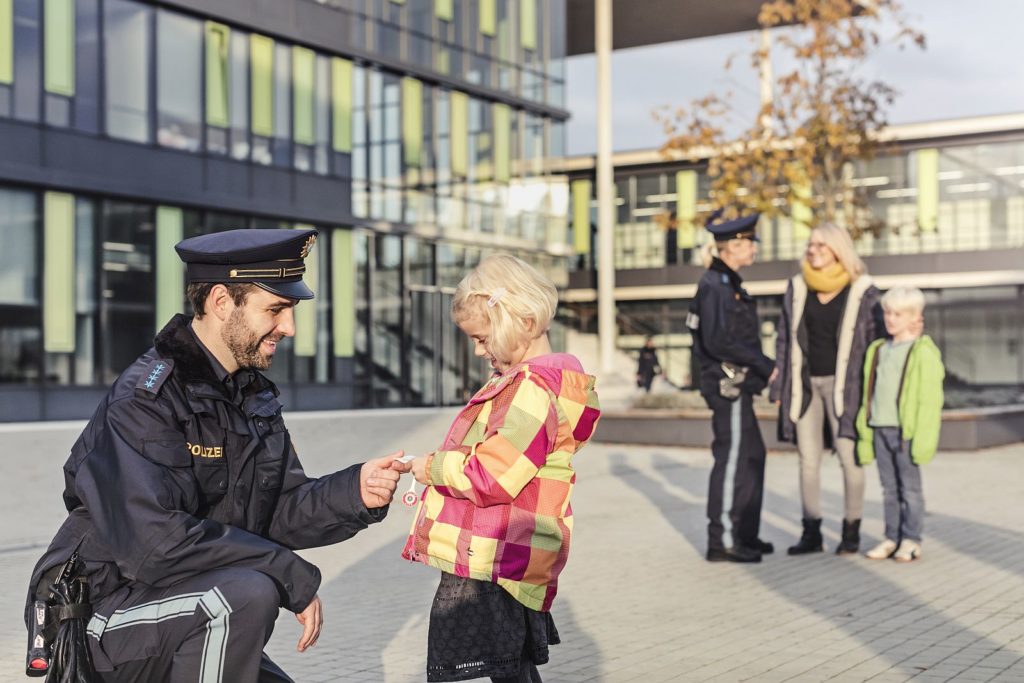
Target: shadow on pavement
{"x":856,"y":597}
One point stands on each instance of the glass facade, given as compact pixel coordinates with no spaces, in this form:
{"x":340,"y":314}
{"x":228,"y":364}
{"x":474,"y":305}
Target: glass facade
{"x":432,"y":172}
{"x":958,"y":197}
{"x":978,"y":204}
{"x":405,"y":349}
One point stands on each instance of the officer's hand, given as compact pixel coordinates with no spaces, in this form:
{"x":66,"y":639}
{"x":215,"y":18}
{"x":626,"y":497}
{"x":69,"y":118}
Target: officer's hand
{"x":311,"y":618}
{"x":378,"y":479}
{"x":774,"y":376}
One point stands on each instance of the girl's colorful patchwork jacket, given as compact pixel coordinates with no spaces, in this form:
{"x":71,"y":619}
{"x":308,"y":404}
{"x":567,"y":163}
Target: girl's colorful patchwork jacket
{"x":498,"y":507}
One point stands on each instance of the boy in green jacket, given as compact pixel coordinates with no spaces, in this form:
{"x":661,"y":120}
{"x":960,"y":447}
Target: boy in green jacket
{"x":899,"y":419}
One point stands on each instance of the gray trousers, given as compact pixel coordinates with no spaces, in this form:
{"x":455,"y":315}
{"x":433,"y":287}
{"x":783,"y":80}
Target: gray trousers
{"x":902,"y":495}
{"x":209,"y":628}
{"x":810,"y":442}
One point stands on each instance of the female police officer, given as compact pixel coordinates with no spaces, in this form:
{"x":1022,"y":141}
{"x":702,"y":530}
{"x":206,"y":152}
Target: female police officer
{"x":727,"y":345}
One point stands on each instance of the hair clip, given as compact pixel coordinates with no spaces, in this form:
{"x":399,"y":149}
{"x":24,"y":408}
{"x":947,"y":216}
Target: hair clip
{"x":496,"y":297}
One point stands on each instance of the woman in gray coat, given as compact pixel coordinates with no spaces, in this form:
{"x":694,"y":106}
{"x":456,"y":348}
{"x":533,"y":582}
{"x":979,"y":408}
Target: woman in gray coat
{"x":830,"y":314}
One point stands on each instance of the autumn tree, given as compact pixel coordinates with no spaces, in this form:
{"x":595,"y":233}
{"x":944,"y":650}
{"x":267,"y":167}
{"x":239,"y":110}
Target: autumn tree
{"x":796,"y":158}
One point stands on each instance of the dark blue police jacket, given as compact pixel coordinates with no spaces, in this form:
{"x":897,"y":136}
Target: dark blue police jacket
{"x":725,"y":328}
{"x":173,"y":477}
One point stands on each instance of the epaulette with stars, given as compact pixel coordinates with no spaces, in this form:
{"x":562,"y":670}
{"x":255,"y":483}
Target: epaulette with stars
{"x":153,"y":378}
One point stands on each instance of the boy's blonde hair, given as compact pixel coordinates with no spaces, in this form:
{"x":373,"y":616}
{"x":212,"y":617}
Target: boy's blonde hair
{"x":839,"y":241}
{"x":506,"y":292}
{"x":904,"y":299}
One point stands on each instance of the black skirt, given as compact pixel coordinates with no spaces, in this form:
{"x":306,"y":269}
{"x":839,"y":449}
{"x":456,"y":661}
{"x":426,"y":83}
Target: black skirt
{"x":478,"y":630}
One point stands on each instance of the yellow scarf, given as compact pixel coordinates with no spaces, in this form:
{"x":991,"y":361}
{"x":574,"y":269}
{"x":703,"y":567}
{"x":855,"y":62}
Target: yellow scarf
{"x":827,"y":280}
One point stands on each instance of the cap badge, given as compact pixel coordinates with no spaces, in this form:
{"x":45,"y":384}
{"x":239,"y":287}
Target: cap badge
{"x":307,"y":246}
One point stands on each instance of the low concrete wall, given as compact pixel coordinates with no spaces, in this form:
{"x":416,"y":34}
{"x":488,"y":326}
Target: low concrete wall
{"x":962,"y":430}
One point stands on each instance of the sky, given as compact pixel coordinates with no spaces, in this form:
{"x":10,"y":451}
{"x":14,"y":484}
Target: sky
{"x":973,"y":66}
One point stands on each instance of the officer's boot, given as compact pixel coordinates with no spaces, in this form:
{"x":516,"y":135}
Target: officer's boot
{"x":851,"y":537}
{"x":810,"y":540}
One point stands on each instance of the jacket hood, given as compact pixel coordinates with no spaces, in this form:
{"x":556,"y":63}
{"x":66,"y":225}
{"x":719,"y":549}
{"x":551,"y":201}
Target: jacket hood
{"x":574,"y":389}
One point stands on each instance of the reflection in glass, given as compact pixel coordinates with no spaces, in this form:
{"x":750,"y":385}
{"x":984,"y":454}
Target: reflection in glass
{"x":127,"y":38}
{"x":178,"y":63}
{"x":127,"y":284}
{"x":27,"y":59}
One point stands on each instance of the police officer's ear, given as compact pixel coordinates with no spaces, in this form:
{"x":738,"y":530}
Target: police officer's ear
{"x":219,"y":302}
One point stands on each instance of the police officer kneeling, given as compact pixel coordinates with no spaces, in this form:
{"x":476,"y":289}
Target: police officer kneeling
{"x":186,"y":499}
{"x":727,"y":345}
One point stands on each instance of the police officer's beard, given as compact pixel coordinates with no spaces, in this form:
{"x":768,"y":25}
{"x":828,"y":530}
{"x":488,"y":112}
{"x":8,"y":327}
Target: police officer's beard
{"x":244,"y":343}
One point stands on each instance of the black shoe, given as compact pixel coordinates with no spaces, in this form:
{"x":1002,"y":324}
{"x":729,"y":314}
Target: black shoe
{"x":735,"y":554}
{"x":763,"y":547}
{"x":851,"y":537}
{"x":810,"y":540}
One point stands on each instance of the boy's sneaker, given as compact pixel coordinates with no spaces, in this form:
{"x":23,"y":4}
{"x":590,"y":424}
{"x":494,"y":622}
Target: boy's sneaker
{"x":883,"y":550}
{"x":908,"y":551}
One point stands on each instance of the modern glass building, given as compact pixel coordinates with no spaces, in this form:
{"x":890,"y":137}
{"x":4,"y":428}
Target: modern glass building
{"x":950,"y":193}
{"x":416,"y":135}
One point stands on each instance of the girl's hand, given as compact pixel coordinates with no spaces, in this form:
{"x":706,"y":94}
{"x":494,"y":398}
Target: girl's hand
{"x":419,"y":468}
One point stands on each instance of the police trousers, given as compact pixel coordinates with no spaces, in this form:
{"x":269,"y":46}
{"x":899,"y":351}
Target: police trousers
{"x":737,"y":477}
{"x":209,"y":628}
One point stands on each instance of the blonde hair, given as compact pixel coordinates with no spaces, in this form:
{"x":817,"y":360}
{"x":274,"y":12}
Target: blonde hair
{"x":904,"y":299}
{"x":507,"y":293}
{"x":839,"y":241}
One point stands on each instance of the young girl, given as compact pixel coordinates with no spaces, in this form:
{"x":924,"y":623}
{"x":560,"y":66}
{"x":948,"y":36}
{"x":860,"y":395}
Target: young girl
{"x":495,"y":517}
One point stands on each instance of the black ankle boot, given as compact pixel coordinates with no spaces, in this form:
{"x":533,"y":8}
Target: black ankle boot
{"x":810,"y":539}
{"x":851,"y":537}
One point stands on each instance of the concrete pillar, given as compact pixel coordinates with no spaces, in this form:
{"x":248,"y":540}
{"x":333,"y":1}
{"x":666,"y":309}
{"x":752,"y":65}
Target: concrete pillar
{"x":606,"y":324}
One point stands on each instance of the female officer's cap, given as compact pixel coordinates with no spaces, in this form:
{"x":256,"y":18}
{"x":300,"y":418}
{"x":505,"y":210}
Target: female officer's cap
{"x":271,"y":259}
{"x":739,"y":228}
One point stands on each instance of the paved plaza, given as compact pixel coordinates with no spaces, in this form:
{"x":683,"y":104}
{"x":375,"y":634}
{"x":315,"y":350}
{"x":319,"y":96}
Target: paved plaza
{"x":637,"y":602}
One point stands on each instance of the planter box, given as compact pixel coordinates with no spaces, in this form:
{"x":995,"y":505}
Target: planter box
{"x":962,"y":429}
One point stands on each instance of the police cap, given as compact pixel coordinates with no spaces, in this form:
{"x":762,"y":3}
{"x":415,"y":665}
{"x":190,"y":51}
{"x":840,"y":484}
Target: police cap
{"x":738,"y":228}
{"x":271,"y":259}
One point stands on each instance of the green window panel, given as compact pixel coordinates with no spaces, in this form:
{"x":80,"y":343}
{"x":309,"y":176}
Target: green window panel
{"x":581,"y":191}
{"x":59,"y":42}
{"x":58,"y":272}
{"x":484,"y":165}
{"x":261,"y":51}
{"x":343,"y":293}
{"x":7,"y":41}
{"x":303,"y":77}
{"x":502,"y":143}
{"x":218,"y":41}
{"x":412,"y":121}
{"x":444,"y":9}
{"x":928,"y":189}
{"x":488,"y":17}
{"x":170,"y":272}
{"x":460,"y":132}
{"x":800,"y":211}
{"x":341,"y":89}
{"x":528,"y":24}
{"x":305,"y":312}
{"x":686,"y":208}
{"x":398,"y":2}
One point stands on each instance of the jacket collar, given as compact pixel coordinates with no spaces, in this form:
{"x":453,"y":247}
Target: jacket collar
{"x":177,"y":342}
{"x":719,"y":266}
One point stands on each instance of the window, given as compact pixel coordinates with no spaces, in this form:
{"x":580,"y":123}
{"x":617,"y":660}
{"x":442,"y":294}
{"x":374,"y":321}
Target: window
{"x":239,"y":105}
{"x":27,"y":59}
{"x":86,"y":104}
{"x":127,"y":284}
{"x":127,"y":37}
{"x":20,"y":314}
{"x":179,"y":75}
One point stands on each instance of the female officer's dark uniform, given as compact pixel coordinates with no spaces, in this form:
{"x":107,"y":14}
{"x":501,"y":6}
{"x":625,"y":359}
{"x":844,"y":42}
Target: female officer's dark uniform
{"x":727,"y":345}
{"x":187,"y":501}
